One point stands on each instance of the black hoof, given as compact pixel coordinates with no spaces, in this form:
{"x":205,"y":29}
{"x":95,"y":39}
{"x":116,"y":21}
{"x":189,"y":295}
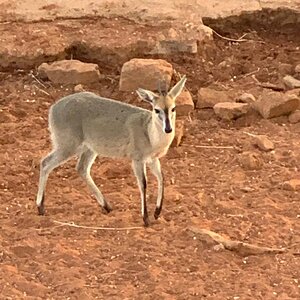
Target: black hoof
{"x":107,"y":207}
{"x":157,"y":212}
{"x":146,"y":221}
{"x":41,"y":210}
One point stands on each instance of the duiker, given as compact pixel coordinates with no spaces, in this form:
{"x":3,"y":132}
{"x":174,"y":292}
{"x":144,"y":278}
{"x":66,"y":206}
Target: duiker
{"x":87,"y":125}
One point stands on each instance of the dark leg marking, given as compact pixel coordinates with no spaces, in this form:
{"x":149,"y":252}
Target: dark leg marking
{"x":41,"y":208}
{"x":107,"y":207}
{"x":145,"y":211}
{"x":157,"y":212}
{"x":159,"y":208}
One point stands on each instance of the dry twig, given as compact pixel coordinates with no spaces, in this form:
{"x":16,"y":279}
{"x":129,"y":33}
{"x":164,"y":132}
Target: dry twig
{"x":250,"y":134}
{"x":251,"y":73}
{"x":38,"y":81}
{"x":210,"y":147}
{"x":102,"y":275}
{"x":268,"y":85}
{"x":72,"y":224}
{"x":241,"y":39}
{"x":111,"y":78}
{"x":255,"y":79}
{"x":41,"y":90}
{"x":241,"y":248}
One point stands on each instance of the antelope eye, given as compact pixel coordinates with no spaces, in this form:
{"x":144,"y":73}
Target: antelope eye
{"x":173,"y":109}
{"x":156,"y":111}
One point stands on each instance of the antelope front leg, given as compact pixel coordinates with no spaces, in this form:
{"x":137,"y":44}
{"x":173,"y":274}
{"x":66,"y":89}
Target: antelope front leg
{"x":156,"y":170}
{"x":139,"y":169}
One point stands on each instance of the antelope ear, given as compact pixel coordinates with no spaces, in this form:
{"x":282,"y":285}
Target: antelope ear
{"x":177,"y":88}
{"x":147,"y":95}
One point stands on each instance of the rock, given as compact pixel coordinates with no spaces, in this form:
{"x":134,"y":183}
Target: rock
{"x":179,"y":133}
{"x":208,"y":98}
{"x":218,"y":247}
{"x":184,"y":40}
{"x":246,"y":98}
{"x":223,"y":64}
{"x":250,"y":161}
{"x":291,"y":82}
{"x":42,"y":71}
{"x":205,"y":33}
{"x":70,"y":72}
{"x":172,"y":34}
{"x":184,"y":104}
{"x":275,"y":104}
{"x":285,"y":69}
{"x":175,"y":46}
{"x":294,"y":117}
{"x":230,"y":110}
{"x":291,"y":185}
{"x":297,"y":69}
{"x":78,"y":88}
{"x":275,"y":87}
{"x":295,"y":92}
{"x":144,"y":73}
{"x":263,"y":143}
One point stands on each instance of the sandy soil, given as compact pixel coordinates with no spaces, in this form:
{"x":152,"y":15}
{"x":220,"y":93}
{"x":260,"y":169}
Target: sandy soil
{"x":137,"y":10}
{"x":206,"y":188}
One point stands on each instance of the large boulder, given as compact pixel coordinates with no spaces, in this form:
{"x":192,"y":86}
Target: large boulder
{"x":145,"y":73}
{"x":274,"y":104}
{"x":176,"y":40}
{"x":294,"y":117}
{"x":173,"y":46}
{"x":230,"y":110}
{"x":291,"y":82}
{"x":208,"y":97}
{"x":69,"y":72}
{"x":184,"y":103}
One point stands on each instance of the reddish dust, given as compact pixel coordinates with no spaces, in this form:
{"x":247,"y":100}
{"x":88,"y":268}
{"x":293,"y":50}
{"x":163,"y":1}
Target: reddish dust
{"x":205,"y":187}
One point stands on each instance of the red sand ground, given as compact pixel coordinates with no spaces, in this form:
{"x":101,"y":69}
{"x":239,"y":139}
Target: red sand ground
{"x":206,"y":188}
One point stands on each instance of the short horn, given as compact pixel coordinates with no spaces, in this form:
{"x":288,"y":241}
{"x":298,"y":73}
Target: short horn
{"x":166,"y":87}
{"x":159,"y":87}
{"x":163,"y":87}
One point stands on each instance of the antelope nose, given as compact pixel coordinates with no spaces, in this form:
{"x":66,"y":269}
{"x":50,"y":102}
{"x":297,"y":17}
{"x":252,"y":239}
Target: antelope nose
{"x":168,"y":127}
